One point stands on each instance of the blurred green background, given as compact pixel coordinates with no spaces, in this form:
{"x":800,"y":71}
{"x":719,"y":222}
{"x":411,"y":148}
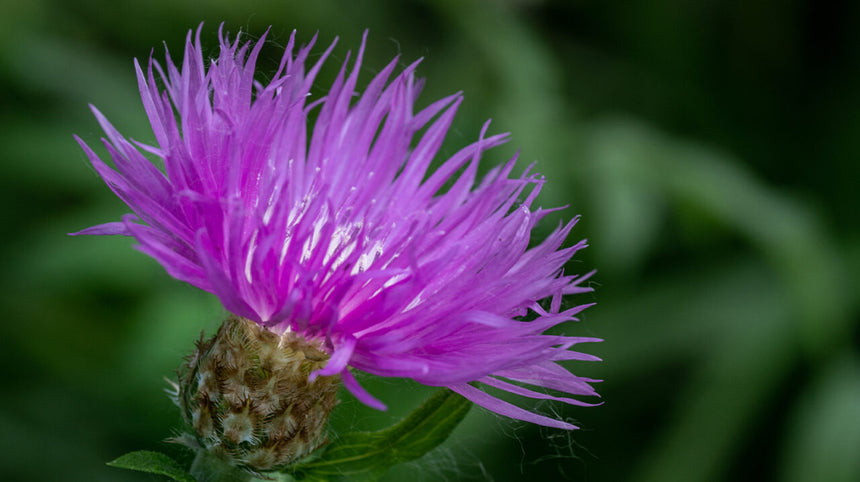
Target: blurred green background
{"x":711,"y":147}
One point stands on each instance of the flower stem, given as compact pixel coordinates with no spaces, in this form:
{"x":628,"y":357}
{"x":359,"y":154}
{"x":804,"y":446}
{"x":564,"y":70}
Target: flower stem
{"x":208,"y":467}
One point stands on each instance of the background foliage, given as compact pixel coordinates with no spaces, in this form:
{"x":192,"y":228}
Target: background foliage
{"x":710,"y":146}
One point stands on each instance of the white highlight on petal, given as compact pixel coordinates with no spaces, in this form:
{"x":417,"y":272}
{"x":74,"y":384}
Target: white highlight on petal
{"x":249,"y":258}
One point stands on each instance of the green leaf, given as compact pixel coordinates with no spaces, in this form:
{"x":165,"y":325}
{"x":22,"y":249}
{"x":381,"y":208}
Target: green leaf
{"x":153,"y":463}
{"x":368,"y":455}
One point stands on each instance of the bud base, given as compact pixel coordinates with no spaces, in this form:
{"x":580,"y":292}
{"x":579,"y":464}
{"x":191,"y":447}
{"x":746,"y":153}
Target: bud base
{"x":247,"y":396}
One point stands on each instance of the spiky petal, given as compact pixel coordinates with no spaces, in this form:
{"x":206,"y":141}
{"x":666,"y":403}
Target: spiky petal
{"x":343,"y":233}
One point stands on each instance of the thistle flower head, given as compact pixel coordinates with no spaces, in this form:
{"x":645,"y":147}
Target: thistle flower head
{"x":337,"y":229}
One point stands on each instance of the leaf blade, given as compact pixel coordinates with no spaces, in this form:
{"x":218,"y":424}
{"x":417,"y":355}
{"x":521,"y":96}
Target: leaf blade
{"x":368,"y":455}
{"x":153,"y":463}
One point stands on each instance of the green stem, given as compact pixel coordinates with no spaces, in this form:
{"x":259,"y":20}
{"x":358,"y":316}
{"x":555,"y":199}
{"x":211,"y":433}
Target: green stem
{"x":208,"y":467}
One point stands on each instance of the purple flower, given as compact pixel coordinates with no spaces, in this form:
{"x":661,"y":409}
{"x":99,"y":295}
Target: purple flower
{"x":338,"y":230}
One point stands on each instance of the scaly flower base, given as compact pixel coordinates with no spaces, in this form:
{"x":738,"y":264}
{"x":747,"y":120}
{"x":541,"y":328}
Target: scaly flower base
{"x":246,"y":393}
